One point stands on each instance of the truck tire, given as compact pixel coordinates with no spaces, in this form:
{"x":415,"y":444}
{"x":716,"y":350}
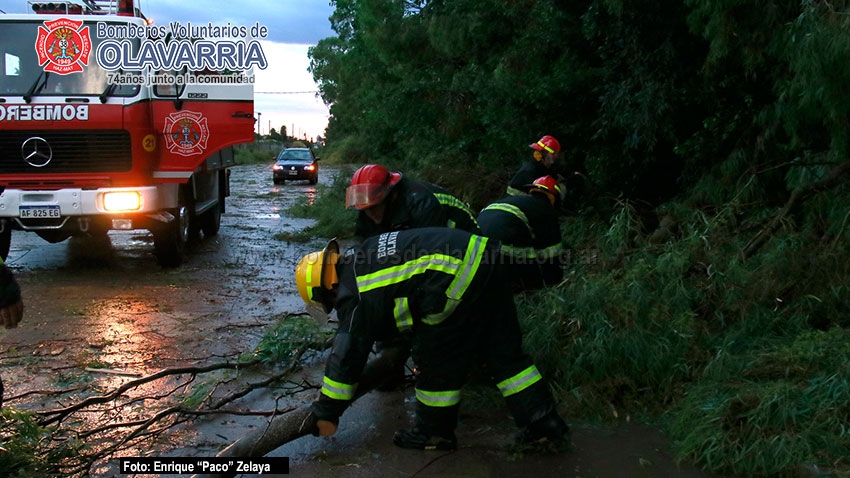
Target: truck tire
{"x":211,"y":221}
{"x":5,"y":242}
{"x":170,"y":239}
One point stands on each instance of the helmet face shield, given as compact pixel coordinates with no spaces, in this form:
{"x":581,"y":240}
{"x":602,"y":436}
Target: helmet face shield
{"x":364,"y":196}
{"x":369,"y":186}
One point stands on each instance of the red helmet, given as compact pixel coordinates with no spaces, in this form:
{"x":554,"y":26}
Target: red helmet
{"x":369,"y":186}
{"x":548,"y":144}
{"x":549,"y":185}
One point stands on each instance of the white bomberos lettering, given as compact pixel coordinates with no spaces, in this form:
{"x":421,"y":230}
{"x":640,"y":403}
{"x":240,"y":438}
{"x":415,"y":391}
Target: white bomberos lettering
{"x":44,"y":112}
{"x":387,"y":244}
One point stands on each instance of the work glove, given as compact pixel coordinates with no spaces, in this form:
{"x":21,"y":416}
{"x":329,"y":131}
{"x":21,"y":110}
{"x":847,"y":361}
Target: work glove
{"x":319,"y":427}
{"x":325,"y":428}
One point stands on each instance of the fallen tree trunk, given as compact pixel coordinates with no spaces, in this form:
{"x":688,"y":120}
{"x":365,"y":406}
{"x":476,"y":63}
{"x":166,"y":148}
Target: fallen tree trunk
{"x":299,"y":422}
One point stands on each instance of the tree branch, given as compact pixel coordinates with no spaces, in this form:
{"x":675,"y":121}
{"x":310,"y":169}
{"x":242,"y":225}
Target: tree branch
{"x":55,"y":416}
{"x":798,"y":195}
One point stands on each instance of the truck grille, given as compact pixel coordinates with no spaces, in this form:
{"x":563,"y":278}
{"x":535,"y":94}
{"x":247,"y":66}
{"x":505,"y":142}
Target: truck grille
{"x":86,"y":151}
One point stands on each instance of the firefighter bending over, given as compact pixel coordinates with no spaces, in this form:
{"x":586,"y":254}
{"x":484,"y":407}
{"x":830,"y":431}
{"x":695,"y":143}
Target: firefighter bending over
{"x":389,"y":202}
{"x":445,"y":289}
{"x":527,"y":226}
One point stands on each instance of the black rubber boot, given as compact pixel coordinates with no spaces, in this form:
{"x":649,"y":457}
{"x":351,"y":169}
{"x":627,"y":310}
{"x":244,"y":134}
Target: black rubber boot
{"x":414,"y":439}
{"x":548,"y":433}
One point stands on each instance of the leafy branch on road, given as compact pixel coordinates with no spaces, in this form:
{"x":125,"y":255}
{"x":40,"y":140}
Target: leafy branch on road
{"x":76,"y":439}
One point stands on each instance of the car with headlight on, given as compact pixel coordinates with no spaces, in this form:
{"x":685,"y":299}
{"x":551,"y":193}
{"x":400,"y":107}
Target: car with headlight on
{"x":296,"y":164}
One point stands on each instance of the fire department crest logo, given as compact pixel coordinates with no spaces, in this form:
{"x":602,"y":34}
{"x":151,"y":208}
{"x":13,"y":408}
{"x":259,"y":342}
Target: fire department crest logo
{"x":186,"y":133}
{"x":62,"y":46}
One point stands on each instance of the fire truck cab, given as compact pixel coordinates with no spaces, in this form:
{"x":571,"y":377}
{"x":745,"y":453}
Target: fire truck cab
{"x":85,"y":150}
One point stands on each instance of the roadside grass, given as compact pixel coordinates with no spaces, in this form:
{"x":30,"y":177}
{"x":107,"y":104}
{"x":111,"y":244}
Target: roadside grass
{"x":744,"y":360}
{"x":248,"y":155}
{"x":328,"y":208}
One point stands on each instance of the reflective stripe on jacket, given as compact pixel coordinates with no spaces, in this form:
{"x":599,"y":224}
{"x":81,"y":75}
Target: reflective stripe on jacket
{"x":391,"y":284}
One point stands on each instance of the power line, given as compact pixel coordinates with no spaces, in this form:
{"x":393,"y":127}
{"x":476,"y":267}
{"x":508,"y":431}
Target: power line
{"x":284,"y":92}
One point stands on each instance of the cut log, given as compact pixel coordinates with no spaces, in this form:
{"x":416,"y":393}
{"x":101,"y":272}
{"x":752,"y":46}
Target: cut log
{"x":300,"y":422}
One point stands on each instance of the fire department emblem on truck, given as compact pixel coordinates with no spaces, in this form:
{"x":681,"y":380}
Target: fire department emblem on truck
{"x":186,"y":133}
{"x":63,"y":47}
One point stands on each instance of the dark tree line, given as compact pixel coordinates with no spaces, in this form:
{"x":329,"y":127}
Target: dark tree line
{"x":648,"y":98}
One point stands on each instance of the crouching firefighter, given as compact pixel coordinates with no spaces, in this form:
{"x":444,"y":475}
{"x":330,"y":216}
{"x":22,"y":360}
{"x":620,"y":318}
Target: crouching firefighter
{"x":445,"y":289}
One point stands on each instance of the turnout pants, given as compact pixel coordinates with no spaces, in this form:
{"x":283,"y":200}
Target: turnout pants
{"x":484,"y":327}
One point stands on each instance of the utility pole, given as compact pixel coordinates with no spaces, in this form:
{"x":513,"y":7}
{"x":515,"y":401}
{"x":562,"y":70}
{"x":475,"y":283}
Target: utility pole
{"x":259,"y":125}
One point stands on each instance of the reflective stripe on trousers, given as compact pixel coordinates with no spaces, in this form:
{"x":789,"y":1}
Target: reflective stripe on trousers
{"x":338,"y":390}
{"x":520,"y":381}
{"x":438,"y":399}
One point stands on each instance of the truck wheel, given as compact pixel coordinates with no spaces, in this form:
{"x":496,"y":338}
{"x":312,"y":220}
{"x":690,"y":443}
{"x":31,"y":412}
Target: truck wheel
{"x":5,"y":242}
{"x":169,"y":240}
{"x":211,"y":221}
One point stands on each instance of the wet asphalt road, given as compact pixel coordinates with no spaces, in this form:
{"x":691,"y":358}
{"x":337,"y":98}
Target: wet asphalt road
{"x":110,"y":306}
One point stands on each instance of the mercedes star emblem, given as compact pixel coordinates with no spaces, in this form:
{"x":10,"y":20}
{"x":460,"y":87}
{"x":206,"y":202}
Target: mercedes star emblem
{"x":36,"y":152}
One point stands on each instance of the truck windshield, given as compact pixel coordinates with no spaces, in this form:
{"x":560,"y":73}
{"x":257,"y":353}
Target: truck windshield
{"x":20,"y":69}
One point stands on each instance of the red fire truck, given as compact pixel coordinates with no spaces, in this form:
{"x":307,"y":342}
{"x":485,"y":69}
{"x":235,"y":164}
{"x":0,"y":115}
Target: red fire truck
{"x":84,"y":150}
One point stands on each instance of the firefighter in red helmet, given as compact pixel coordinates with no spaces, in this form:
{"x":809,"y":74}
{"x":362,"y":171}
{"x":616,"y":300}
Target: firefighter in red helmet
{"x":444,"y":289}
{"x":389,"y":202}
{"x":528,"y":228}
{"x":546,"y":151}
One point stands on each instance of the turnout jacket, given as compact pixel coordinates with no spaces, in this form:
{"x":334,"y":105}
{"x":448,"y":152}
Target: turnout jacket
{"x":398,"y":283}
{"x":526,"y":174}
{"x":528,"y":229}
{"x":418,"y":204}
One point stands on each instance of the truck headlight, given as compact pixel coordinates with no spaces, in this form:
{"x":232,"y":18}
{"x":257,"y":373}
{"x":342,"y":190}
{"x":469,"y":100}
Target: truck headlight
{"x":122,"y":201}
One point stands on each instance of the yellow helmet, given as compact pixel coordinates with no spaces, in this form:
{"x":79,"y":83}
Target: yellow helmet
{"x":315,"y":274}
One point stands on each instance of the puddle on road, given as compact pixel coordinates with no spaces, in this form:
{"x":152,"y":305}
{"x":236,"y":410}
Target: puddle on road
{"x":108,"y":306}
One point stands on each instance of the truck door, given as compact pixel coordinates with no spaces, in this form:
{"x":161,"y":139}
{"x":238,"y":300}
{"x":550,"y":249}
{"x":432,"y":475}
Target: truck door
{"x":199,"y":117}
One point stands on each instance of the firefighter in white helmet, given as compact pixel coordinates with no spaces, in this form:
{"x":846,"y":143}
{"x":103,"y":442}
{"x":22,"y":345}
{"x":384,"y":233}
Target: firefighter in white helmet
{"x":445,"y":289}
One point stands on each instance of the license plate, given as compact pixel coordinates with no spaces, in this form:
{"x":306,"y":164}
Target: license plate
{"x":293,"y":173}
{"x":39,"y":212}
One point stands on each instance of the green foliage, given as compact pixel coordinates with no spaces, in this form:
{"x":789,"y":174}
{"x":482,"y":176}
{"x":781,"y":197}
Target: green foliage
{"x":248,"y":155}
{"x":711,"y":112}
{"x":328,"y":208}
{"x":29,"y":450}
{"x":776,"y":409}
{"x":291,"y":334}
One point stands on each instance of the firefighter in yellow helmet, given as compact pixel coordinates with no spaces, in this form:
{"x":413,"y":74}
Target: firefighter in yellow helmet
{"x":446,"y":290}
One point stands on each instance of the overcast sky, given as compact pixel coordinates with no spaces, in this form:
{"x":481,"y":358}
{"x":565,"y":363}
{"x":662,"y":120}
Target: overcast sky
{"x":283,"y":91}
